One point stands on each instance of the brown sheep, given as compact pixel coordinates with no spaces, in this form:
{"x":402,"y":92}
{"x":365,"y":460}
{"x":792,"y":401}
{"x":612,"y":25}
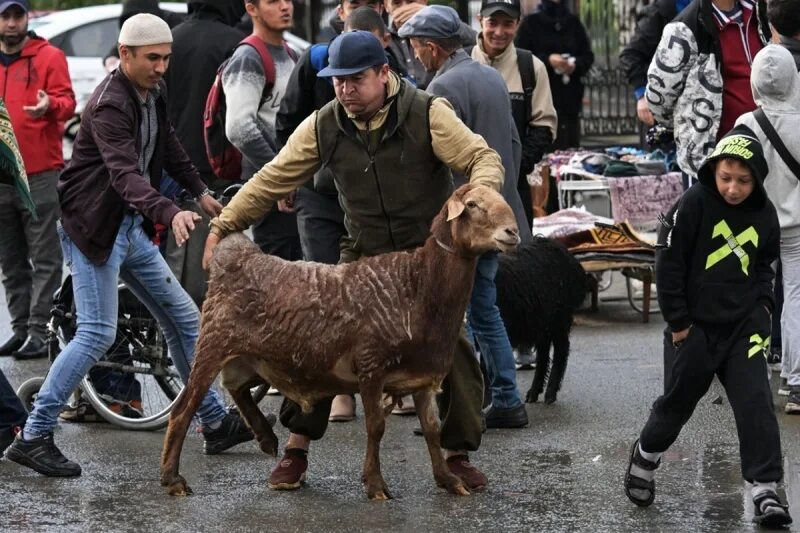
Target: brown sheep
{"x":387,"y":323}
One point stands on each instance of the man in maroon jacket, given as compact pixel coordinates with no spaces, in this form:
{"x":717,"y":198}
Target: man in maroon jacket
{"x":109,"y":201}
{"x":38,"y":94}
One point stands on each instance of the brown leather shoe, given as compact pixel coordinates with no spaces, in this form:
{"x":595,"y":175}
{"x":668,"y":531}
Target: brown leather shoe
{"x":290,"y":472}
{"x":474,"y":479}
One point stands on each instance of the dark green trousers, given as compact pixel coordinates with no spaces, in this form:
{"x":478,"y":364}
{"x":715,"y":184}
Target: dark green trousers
{"x":459,"y":405}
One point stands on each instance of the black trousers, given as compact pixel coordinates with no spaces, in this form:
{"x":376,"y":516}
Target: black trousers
{"x":276,"y":234}
{"x":12,"y":412}
{"x":735,"y":355}
{"x":320,"y":222}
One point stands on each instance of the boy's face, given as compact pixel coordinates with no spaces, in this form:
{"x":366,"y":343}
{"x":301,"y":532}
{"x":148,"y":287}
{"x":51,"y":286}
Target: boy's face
{"x":734,"y":179}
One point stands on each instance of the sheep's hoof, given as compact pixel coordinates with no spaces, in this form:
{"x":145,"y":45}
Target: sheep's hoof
{"x":269,"y":446}
{"x":378,"y":491}
{"x":452,"y":483}
{"x":531,"y":397}
{"x":178,"y":487}
{"x":548,"y":399}
{"x":460,"y":490}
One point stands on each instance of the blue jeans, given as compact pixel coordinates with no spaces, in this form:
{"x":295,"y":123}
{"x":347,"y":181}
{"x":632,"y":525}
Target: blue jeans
{"x":484,"y":324}
{"x":135,"y":260}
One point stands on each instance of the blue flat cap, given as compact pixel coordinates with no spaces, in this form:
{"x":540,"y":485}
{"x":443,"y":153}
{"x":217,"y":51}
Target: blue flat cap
{"x":433,"y":22}
{"x":353,"y":52}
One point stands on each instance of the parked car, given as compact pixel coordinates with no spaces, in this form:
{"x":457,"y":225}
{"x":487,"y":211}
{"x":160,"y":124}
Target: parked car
{"x":86,"y":35}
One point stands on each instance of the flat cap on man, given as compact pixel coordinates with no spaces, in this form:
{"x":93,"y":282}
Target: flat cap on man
{"x":433,"y":22}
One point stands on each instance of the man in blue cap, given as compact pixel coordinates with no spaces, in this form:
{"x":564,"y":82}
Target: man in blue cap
{"x":480,"y":98}
{"x":404,"y":140}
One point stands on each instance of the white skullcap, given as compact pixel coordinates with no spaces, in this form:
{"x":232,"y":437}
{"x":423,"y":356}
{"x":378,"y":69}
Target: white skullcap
{"x":144,"y":29}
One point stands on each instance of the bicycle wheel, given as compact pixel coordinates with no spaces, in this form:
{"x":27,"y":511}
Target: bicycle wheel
{"x":136,"y":384}
{"x":28,"y":390}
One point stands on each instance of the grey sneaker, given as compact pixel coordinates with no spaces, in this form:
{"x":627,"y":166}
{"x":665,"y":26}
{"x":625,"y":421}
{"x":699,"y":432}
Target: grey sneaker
{"x":524,"y":360}
{"x":793,"y":404}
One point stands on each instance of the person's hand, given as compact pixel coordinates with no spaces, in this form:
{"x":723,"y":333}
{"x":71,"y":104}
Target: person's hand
{"x":286,"y":205}
{"x":643,"y":111}
{"x":211,"y":242}
{"x":557,"y":62}
{"x":210,"y":206}
{"x":680,"y":336}
{"x":183,"y":224}
{"x":41,"y":107}
{"x":401,"y":15}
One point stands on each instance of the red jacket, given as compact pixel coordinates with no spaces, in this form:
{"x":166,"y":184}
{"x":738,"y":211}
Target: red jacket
{"x":39,"y":66}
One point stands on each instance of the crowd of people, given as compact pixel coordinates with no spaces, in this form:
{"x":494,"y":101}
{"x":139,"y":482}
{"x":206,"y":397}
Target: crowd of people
{"x":350,"y":148}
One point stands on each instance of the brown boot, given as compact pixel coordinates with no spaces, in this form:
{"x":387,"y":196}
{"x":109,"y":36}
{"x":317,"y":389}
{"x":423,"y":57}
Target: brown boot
{"x":474,"y":479}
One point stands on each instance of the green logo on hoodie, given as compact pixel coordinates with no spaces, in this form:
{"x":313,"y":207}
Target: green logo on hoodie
{"x":758,"y":345}
{"x":733,"y":245}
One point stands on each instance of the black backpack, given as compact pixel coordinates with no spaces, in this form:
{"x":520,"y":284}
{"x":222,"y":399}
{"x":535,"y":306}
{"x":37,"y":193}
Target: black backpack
{"x":526,"y":74}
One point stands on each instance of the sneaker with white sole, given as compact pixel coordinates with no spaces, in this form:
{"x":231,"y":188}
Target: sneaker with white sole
{"x":783,"y":389}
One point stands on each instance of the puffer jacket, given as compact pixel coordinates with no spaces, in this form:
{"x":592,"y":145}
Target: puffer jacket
{"x":776,"y":89}
{"x":685,"y":81}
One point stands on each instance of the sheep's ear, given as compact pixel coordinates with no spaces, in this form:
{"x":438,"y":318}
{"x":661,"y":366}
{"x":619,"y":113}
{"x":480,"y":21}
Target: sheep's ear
{"x":454,"y":208}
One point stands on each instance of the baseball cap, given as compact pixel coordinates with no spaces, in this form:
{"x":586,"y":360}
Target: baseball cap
{"x":432,"y":22}
{"x":22,"y":4}
{"x":353,"y":52}
{"x":509,"y":7}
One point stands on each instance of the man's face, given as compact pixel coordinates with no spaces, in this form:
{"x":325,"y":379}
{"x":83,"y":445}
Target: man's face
{"x":424,"y":52}
{"x":498,"y":31}
{"x":362,"y":94}
{"x":13,"y":26}
{"x":275,"y":15}
{"x":348,"y":6}
{"x":391,"y":5}
{"x":145,"y":65}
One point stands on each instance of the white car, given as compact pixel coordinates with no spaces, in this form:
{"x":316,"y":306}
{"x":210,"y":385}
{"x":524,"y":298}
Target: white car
{"x":87,"y":34}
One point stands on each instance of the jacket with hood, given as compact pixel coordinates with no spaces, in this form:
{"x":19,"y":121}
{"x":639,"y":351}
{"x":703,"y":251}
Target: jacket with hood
{"x":714,"y":261}
{"x":554,"y":30}
{"x":637,"y":54}
{"x":685,"y":81}
{"x":193,"y":68}
{"x":776,"y":89}
{"x":40,"y":66}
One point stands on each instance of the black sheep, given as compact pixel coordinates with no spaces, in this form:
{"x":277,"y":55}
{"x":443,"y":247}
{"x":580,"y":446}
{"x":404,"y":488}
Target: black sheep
{"x":539,"y":287}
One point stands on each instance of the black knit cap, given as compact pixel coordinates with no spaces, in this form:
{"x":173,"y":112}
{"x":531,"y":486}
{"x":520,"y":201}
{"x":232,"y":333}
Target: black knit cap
{"x":740,"y":143}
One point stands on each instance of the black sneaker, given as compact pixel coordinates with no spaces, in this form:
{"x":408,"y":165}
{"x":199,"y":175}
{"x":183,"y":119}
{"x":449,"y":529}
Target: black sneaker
{"x":774,"y":359}
{"x":42,"y":454}
{"x":233,"y":431}
{"x":507,"y":418}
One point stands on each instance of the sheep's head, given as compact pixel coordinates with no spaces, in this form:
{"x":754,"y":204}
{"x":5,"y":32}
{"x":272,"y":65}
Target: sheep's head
{"x":474,"y":220}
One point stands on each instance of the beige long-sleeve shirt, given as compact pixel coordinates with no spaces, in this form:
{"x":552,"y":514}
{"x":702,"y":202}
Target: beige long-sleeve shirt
{"x":542,"y":111}
{"x":452,"y":141}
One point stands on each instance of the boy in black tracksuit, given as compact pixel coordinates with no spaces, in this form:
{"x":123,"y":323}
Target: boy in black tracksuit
{"x":714,"y":280}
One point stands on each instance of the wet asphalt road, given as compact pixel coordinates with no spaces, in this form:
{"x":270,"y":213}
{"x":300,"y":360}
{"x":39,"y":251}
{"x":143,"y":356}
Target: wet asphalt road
{"x":563,"y":473}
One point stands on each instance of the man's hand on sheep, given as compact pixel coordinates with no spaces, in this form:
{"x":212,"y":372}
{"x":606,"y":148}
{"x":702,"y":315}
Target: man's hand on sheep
{"x":183,"y":224}
{"x":211,"y":242}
